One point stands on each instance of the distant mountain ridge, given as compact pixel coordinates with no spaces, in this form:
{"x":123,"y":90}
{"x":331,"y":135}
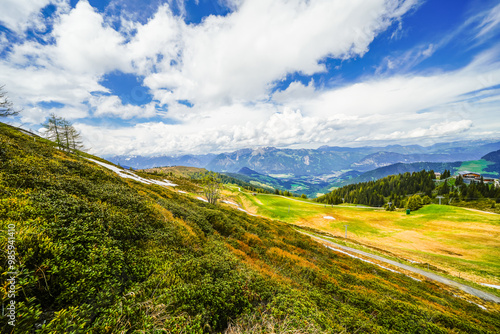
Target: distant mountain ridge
{"x":322,"y":161}
{"x":401,"y":168}
{"x":492,"y":156}
{"x":381,"y":159}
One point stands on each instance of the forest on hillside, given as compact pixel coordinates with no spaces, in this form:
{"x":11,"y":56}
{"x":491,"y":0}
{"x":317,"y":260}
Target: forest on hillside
{"x":398,"y":189}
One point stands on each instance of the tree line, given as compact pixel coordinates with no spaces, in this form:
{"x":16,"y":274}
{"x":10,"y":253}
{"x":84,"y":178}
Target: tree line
{"x":411,"y":191}
{"x":393,"y":188}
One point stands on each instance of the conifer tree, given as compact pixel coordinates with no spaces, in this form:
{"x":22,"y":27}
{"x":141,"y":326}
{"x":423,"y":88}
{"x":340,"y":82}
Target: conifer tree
{"x":62,"y":132}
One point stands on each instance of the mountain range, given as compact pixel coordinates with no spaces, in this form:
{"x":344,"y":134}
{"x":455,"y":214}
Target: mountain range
{"x":315,"y":171}
{"x":323,"y":160}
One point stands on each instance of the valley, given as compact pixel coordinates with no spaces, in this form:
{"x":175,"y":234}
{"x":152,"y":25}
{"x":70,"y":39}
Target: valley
{"x":316,"y":172}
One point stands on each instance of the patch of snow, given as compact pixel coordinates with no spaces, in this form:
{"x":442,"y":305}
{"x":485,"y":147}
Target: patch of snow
{"x":480,"y":306}
{"x":182,"y":192}
{"x":229,"y":202}
{"x":329,"y":217}
{"x":126,"y":174}
{"x":202,"y":199}
{"x":491,"y":285}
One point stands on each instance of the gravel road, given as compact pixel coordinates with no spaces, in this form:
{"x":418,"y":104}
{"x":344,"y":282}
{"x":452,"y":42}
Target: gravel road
{"x":435,"y":277}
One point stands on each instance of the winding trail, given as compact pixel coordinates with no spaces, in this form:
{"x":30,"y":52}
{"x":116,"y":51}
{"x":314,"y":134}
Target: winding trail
{"x":432,"y":276}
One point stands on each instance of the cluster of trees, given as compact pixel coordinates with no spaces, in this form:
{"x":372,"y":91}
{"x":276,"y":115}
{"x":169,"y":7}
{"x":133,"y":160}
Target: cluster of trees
{"x":393,"y":188}
{"x":473,"y":191}
{"x":446,"y":174}
{"x":62,"y":132}
{"x":288,"y":193}
{"x":411,"y":191}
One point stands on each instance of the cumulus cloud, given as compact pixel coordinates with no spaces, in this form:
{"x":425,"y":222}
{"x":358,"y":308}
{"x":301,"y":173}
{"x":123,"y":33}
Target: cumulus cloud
{"x":113,"y":106}
{"x":238,"y":57}
{"x":18,"y":15}
{"x":435,"y":130}
{"x":281,"y":128}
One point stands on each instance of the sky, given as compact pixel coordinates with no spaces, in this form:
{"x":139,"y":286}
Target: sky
{"x":171,"y":77}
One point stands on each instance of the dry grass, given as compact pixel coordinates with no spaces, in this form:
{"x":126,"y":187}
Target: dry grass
{"x":267,"y":324}
{"x":459,"y":242}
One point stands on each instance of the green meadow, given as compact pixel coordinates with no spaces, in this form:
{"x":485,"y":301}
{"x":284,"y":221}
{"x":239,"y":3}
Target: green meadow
{"x":477,"y":166}
{"x":456,"y":241}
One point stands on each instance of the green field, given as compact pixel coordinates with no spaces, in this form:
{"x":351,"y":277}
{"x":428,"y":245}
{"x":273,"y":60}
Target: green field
{"x":455,"y":241}
{"x":476,"y":166}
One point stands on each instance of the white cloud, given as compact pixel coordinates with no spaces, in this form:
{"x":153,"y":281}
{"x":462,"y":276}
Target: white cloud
{"x":278,"y":129}
{"x":238,"y":57}
{"x":113,"y":106}
{"x":490,"y":22}
{"x":435,"y":130}
{"x":17,"y":15}
{"x":227,"y":66}
{"x":85,"y":45}
{"x":406,"y":94}
{"x":160,"y":36}
{"x":408,"y":60}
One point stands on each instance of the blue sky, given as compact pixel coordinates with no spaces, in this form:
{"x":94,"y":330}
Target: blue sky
{"x":167,"y":77}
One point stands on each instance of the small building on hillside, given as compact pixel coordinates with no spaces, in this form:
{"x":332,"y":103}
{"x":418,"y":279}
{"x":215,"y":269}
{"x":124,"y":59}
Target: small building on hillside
{"x":469,"y":175}
{"x":438,"y":175}
{"x":490,"y":180}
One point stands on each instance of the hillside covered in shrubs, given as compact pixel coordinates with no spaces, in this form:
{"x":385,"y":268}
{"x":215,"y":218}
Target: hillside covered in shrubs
{"x":95,"y":253}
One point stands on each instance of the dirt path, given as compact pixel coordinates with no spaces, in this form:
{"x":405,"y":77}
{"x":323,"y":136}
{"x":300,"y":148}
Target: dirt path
{"x":435,"y":277}
{"x":476,"y":210}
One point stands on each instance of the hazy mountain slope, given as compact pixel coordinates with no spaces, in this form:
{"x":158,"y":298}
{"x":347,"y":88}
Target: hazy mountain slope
{"x":271,"y":160}
{"x":321,"y":161}
{"x":382,"y":159}
{"x":492,"y":156}
{"x":251,"y":176}
{"x":494,"y":168}
{"x":401,"y":168}
{"x":99,"y":253}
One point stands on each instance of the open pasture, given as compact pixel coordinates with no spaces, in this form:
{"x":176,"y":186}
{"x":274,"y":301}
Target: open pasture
{"x":451,"y":240}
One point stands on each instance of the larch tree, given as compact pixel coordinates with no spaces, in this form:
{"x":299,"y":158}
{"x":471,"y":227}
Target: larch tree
{"x":63,"y":133}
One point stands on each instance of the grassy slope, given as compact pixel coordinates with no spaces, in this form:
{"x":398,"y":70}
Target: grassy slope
{"x":477,"y":166}
{"x":176,"y":170}
{"x":102,"y":254}
{"x":453,"y":239}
